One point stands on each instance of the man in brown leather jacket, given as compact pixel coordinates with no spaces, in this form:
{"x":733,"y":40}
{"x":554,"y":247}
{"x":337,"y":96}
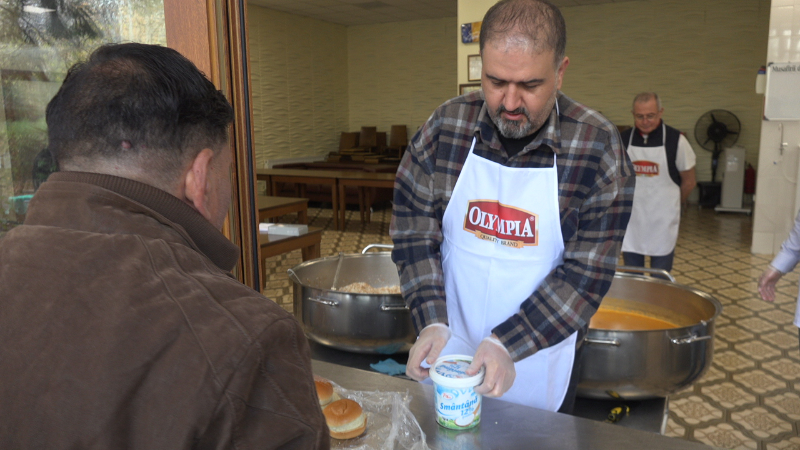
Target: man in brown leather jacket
{"x":120,"y":325}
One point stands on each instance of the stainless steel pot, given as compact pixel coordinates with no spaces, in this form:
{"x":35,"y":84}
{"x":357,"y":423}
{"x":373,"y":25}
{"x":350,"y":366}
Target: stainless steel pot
{"x":363,"y":323}
{"x":637,"y":365}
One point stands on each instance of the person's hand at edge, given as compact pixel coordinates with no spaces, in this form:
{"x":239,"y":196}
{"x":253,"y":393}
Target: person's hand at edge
{"x":500,"y":371}
{"x":429,"y":345}
{"x":767,"y":282}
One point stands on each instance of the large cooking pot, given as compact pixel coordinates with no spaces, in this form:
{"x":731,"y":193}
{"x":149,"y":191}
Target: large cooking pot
{"x":637,"y":365}
{"x":362,"y":323}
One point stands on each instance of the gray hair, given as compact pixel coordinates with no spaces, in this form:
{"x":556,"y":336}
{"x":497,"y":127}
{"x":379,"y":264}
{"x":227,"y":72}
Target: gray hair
{"x":645,"y":97}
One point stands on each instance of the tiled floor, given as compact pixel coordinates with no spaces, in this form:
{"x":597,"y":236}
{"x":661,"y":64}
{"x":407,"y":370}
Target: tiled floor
{"x":749,"y":398}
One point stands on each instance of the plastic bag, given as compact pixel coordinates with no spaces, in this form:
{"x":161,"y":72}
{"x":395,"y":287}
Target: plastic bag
{"x":390,"y":422}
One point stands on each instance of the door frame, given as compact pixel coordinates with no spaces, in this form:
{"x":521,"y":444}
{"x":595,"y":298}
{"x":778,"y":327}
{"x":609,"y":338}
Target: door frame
{"x":213,"y":35}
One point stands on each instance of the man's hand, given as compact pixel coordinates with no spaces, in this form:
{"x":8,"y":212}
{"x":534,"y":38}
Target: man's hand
{"x":500,"y":372}
{"x":430,"y":343}
{"x":767,"y":282}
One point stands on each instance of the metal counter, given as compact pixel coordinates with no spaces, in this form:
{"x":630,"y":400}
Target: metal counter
{"x":645,"y":415}
{"x":504,"y":425}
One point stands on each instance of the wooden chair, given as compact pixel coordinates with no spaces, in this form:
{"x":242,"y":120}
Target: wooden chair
{"x":368,"y":139}
{"x":398,"y":141}
{"x":367,"y":143}
{"x":348,"y":143}
{"x":348,"y":140}
{"x":380,"y":142}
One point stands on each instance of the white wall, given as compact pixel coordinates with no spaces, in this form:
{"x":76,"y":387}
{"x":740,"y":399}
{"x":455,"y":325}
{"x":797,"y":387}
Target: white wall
{"x":398,"y":73}
{"x":777,"y":187}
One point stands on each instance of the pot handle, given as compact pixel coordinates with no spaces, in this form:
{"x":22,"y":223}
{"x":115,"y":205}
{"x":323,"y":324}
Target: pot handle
{"x":690,"y":339}
{"x":371,"y":246}
{"x":649,"y":270}
{"x":324,"y":301}
{"x":614,"y":342}
{"x":390,"y":308}
{"x":293,"y":276}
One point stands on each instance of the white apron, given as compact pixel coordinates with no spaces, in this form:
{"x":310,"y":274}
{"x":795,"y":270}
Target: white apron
{"x":502,"y":237}
{"x":656,"y":212}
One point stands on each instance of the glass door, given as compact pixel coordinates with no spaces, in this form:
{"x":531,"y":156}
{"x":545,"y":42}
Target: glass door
{"x":39,"y":41}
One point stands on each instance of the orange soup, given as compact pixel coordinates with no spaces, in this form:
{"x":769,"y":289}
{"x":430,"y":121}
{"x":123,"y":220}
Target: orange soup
{"x":607,"y":319}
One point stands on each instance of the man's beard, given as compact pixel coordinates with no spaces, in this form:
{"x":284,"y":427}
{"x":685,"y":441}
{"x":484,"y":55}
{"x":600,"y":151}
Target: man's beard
{"x":512,"y":129}
{"x":518,"y":129}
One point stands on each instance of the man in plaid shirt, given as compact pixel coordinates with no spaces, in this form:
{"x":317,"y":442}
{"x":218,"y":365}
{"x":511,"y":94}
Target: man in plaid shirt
{"x":509,"y":210}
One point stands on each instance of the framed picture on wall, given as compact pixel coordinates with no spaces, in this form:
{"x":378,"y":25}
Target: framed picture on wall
{"x":471,"y":32}
{"x":474,"y":66}
{"x":468,"y":87}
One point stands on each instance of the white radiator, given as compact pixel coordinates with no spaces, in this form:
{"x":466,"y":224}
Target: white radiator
{"x":733,"y":181}
{"x":733,"y":166}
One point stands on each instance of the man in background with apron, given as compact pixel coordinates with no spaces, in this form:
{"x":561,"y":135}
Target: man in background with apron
{"x":509,"y":210}
{"x":664,"y":163}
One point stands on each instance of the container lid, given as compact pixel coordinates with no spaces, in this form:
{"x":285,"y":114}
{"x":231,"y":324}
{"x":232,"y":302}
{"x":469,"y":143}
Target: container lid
{"x":451,"y":371}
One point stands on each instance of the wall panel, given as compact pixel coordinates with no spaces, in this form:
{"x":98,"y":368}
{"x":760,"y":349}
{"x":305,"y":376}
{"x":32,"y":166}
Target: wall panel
{"x":299,"y":85}
{"x":400,"y":72}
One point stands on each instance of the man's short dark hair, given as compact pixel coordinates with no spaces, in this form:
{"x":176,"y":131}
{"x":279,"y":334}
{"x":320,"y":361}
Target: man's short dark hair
{"x":143,"y":104}
{"x":539,"y":21}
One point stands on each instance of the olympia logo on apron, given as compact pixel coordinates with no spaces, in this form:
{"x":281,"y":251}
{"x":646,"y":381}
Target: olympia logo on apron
{"x":655,"y":216}
{"x":502,"y":237}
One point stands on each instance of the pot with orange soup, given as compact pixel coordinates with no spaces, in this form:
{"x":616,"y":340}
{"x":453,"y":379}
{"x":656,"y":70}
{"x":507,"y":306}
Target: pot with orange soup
{"x":649,"y":338}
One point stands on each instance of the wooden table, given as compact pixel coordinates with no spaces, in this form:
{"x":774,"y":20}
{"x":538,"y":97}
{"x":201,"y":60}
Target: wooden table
{"x":338,"y":180}
{"x":342,"y":165}
{"x":302,"y":177}
{"x":274,"y":245}
{"x":362,"y":180}
{"x":269,"y":207}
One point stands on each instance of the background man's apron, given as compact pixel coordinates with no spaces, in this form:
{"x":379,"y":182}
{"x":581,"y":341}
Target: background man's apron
{"x":502,"y":237}
{"x":655,"y":216}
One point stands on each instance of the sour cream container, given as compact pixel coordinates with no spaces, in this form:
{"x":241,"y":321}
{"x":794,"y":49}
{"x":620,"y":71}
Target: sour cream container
{"x":458,"y":406}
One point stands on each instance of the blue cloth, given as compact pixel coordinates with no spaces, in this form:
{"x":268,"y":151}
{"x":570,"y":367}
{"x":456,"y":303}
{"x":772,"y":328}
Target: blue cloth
{"x":390,"y":349}
{"x":389,"y":367}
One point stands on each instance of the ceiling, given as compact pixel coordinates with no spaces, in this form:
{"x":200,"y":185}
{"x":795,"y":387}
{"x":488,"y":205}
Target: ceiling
{"x":362,"y":12}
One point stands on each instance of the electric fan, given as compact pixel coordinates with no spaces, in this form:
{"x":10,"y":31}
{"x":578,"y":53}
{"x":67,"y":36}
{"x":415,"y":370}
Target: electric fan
{"x":714,"y":131}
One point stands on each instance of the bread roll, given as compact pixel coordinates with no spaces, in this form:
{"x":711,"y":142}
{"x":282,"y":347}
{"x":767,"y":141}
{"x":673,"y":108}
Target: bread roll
{"x":345,"y":419}
{"x":324,"y":391}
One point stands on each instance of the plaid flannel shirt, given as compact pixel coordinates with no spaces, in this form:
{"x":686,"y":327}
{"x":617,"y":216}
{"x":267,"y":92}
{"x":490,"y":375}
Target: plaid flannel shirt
{"x":595,"y":191}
